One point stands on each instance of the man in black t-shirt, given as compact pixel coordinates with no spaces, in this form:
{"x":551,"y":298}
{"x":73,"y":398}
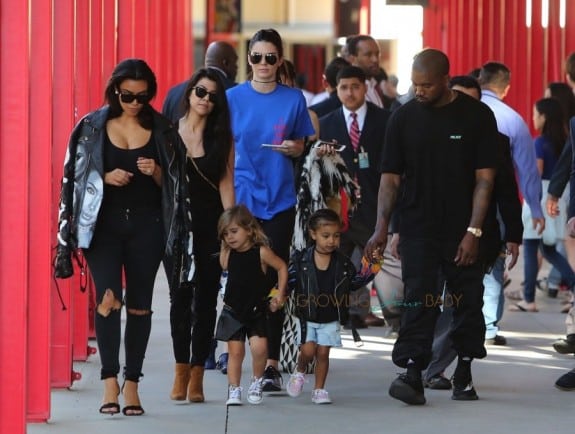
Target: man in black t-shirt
{"x":441,"y":147}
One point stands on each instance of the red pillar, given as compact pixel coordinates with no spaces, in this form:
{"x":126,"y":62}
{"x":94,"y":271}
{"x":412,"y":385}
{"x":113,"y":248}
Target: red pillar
{"x":569,"y":30}
{"x":40,"y":201}
{"x":83,"y":55}
{"x":14,"y":223}
{"x":62,"y":104}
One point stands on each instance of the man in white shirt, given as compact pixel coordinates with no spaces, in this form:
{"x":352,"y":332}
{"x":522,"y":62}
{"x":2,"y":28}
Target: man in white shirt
{"x":363,"y":51}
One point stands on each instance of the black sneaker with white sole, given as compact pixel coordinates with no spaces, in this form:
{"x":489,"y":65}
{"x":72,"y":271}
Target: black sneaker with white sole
{"x":272,"y":380}
{"x":464,"y":393}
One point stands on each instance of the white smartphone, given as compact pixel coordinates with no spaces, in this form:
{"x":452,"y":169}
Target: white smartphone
{"x":335,"y":145}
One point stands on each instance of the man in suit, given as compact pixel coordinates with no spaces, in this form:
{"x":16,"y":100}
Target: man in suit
{"x":362,"y":152}
{"x":562,"y":174}
{"x":221,"y":57}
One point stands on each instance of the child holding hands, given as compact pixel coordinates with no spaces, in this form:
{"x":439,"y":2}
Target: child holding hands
{"x":321,"y":279}
{"x":246,"y":256}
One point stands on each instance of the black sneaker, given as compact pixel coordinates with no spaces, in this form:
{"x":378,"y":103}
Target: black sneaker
{"x":565,"y":346}
{"x":464,"y":393}
{"x":273,"y":380}
{"x":497,"y":340}
{"x":566,"y":381}
{"x":437,"y":382}
{"x":407,"y":390}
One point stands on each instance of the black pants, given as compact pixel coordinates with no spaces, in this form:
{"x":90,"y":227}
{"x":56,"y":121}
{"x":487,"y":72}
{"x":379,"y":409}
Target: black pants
{"x":352,"y":244}
{"x":424,"y":264}
{"x":129,"y":242}
{"x":193,"y":306}
{"x":280,"y":232}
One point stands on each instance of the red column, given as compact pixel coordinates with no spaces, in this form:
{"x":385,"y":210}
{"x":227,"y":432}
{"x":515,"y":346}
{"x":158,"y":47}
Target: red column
{"x":569,"y":30}
{"x":62,"y":105}
{"x":40,"y":201}
{"x":14,"y":223}
{"x":83,"y":84}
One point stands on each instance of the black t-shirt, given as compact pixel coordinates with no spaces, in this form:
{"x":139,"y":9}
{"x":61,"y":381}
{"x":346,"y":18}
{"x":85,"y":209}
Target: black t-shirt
{"x":326,"y":302}
{"x":437,"y":150}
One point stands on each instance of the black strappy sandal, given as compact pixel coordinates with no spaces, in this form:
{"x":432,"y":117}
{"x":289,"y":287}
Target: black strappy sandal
{"x":110,"y":408}
{"x":133,"y":410}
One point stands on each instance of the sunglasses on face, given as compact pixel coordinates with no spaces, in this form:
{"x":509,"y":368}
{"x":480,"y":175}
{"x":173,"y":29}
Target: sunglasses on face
{"x":271,"y":58}
{"x":201,"y":93}
{"x":130,"y":97}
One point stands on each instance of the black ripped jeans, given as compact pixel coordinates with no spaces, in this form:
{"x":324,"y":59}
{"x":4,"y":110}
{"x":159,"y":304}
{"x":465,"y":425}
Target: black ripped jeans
{"x":129,"y":243}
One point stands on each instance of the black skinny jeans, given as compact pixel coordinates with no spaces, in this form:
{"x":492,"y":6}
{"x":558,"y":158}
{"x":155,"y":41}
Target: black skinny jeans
{"x":424,"y":263}
{"x":193,"y":306}
{"x":131,"y":242}
{"x":279,"y":230}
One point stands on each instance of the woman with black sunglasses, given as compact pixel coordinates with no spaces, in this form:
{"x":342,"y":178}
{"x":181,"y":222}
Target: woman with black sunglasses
{"x":118,"y":205}
{"x":206,"y":134}
{"x":270,"y":122}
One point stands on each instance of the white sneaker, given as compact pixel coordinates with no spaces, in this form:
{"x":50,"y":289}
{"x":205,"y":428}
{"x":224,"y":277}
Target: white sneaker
{"x":234,"y":395}
{"x":295,"y":384}
{"x":255,"y":395}
{"x":320,"y":396}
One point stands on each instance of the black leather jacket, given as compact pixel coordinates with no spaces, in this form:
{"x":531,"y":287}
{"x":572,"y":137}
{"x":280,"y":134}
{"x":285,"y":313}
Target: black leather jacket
{"x":83,"y":181}
{"x":302,"y":282}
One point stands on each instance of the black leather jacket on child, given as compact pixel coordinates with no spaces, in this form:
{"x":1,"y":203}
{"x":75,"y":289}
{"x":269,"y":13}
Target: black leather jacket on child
{"x":304,"y":289}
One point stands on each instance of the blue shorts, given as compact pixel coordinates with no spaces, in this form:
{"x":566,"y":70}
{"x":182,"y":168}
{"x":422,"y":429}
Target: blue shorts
{"x":327,"y":335}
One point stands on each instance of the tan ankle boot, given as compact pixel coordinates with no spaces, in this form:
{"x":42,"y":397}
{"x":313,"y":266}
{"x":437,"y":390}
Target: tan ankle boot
{"x":196,"y":384}
{"x":181,"y":380}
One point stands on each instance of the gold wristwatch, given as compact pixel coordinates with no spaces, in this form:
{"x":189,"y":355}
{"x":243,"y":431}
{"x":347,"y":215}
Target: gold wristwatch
{"x":476,"y":232}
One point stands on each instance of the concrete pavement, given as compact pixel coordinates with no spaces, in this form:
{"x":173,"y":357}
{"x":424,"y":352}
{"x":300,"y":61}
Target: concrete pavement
{"x":514,"y":384}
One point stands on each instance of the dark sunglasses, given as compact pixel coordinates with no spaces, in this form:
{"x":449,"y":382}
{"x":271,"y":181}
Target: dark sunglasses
{"x":201,"y":92}
{"x":271,"y":58}
{"x":130,"y":97}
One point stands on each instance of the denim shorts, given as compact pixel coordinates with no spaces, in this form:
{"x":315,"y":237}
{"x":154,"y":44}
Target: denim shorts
{"x":327,"y":335}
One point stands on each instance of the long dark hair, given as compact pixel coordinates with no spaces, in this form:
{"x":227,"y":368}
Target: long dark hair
{"x":554,"y":127}
{"x":131,"y":69}
{"x":218,"y":136}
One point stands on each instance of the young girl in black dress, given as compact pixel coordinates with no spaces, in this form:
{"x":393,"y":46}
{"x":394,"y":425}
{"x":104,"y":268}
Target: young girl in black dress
{"x":246,"y":256}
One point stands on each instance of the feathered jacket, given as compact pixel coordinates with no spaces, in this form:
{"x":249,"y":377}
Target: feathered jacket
{"x":324,"y":181}
{"x":82,"y":188}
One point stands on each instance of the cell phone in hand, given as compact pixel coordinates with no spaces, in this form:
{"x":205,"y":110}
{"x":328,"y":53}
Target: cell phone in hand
{"x":337,"y":147}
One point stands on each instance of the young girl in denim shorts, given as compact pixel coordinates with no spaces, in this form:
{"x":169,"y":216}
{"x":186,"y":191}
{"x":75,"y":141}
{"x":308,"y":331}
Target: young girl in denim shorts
{"x":321,"y":279}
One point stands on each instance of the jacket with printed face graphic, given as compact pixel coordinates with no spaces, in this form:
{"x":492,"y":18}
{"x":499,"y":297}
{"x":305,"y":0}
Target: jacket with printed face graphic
{"x":83,"y":181}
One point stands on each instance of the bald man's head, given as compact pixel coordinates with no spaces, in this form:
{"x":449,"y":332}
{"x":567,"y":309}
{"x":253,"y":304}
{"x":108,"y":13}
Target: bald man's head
{"x":222,"y":55}
{"x":430,"y":78}
{"x":431,"y":61}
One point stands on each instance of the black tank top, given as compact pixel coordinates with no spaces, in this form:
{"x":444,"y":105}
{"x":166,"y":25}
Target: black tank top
{"x":203,"y":195}
{"x":141,"y":192}
{"x":247,"y":286}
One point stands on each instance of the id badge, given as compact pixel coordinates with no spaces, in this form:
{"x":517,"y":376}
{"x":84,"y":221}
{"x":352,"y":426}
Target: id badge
{"x":363,"y":160}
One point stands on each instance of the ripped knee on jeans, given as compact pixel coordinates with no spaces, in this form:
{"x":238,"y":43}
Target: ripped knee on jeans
{"x":108,"y":303}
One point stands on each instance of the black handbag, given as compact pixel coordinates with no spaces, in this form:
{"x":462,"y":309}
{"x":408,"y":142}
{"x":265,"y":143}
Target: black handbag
{"x":228,"y":324}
